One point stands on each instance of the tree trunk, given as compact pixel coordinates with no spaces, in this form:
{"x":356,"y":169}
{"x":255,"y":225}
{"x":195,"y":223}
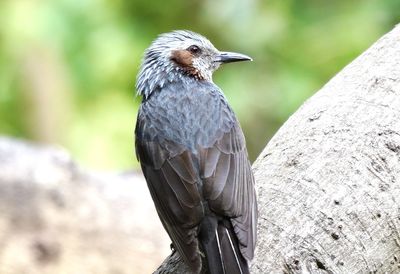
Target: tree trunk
{"x":329,"y":181}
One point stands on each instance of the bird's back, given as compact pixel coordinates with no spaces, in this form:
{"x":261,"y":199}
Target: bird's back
{"x":190,"y":114}
{"x":193,"y":156}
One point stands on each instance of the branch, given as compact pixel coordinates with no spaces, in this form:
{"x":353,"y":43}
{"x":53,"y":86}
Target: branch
{"x":329,"y":180}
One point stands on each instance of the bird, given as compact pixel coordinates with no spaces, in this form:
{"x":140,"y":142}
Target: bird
{"x":193,"y":154}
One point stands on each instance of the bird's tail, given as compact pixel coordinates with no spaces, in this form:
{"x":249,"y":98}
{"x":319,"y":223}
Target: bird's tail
{"x":222,"y":251}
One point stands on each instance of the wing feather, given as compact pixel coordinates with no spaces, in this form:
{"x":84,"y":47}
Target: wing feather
{"x":169,"y":211}
{"x":210,"y":161}
{"x":213,"y":165}
{"x":171,"y":179}
{"x":231,"y":188}
{"x":214,"y":185}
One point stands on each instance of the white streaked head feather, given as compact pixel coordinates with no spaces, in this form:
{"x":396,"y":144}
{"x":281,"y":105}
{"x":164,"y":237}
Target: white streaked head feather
{"x":158,"y":69}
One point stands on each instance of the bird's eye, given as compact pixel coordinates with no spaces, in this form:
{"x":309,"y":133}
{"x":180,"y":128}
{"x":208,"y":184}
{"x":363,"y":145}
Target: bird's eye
{"x":194,"y":49}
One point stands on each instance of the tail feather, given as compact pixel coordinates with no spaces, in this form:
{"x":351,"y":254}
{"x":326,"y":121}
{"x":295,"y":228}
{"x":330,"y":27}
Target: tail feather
{"x":232,"y":259}
{"x":222,"y":252}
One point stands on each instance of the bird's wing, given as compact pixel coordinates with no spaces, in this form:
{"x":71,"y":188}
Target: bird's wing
{"x":229,"y":186}
{"x":221,"y":164}
{"x":171,"y":178}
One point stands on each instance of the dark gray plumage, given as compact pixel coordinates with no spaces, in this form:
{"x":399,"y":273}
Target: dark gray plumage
{"x":193,"y":155}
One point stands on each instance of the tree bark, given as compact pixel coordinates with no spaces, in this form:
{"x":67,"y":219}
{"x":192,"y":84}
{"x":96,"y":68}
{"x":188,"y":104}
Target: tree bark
{"x":329,"y":181}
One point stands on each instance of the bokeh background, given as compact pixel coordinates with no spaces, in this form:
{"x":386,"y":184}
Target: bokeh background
{"x":68,"y":67}
{"x":67,"y":78}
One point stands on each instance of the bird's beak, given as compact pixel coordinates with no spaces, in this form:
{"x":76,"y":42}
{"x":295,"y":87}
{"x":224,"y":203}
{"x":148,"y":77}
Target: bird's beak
{"x":229,"y":57}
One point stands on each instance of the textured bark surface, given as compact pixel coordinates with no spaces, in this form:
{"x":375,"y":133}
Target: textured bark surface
{"x":329,"y":181}
{"x":56,"y":217}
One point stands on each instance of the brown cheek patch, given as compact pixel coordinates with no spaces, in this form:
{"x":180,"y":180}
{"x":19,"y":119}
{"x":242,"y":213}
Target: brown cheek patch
{"x":182,"y":58}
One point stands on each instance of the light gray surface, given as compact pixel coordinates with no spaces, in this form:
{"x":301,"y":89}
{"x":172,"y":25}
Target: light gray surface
{"x":329,"y":180}
{"x":56,"y":217}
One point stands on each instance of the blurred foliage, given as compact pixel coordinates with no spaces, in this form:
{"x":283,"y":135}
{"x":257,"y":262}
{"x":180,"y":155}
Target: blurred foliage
{"x":67,"y":67}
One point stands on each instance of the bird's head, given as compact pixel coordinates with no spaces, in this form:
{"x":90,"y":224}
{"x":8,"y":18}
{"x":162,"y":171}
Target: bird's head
{"x":180,"y":54}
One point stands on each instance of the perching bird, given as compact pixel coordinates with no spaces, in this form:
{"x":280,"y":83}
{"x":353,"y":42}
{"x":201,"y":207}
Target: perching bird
{"x":193,"y":154}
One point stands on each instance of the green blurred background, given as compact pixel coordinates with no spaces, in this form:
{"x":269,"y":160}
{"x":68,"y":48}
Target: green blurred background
{"x":68,"y":67}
